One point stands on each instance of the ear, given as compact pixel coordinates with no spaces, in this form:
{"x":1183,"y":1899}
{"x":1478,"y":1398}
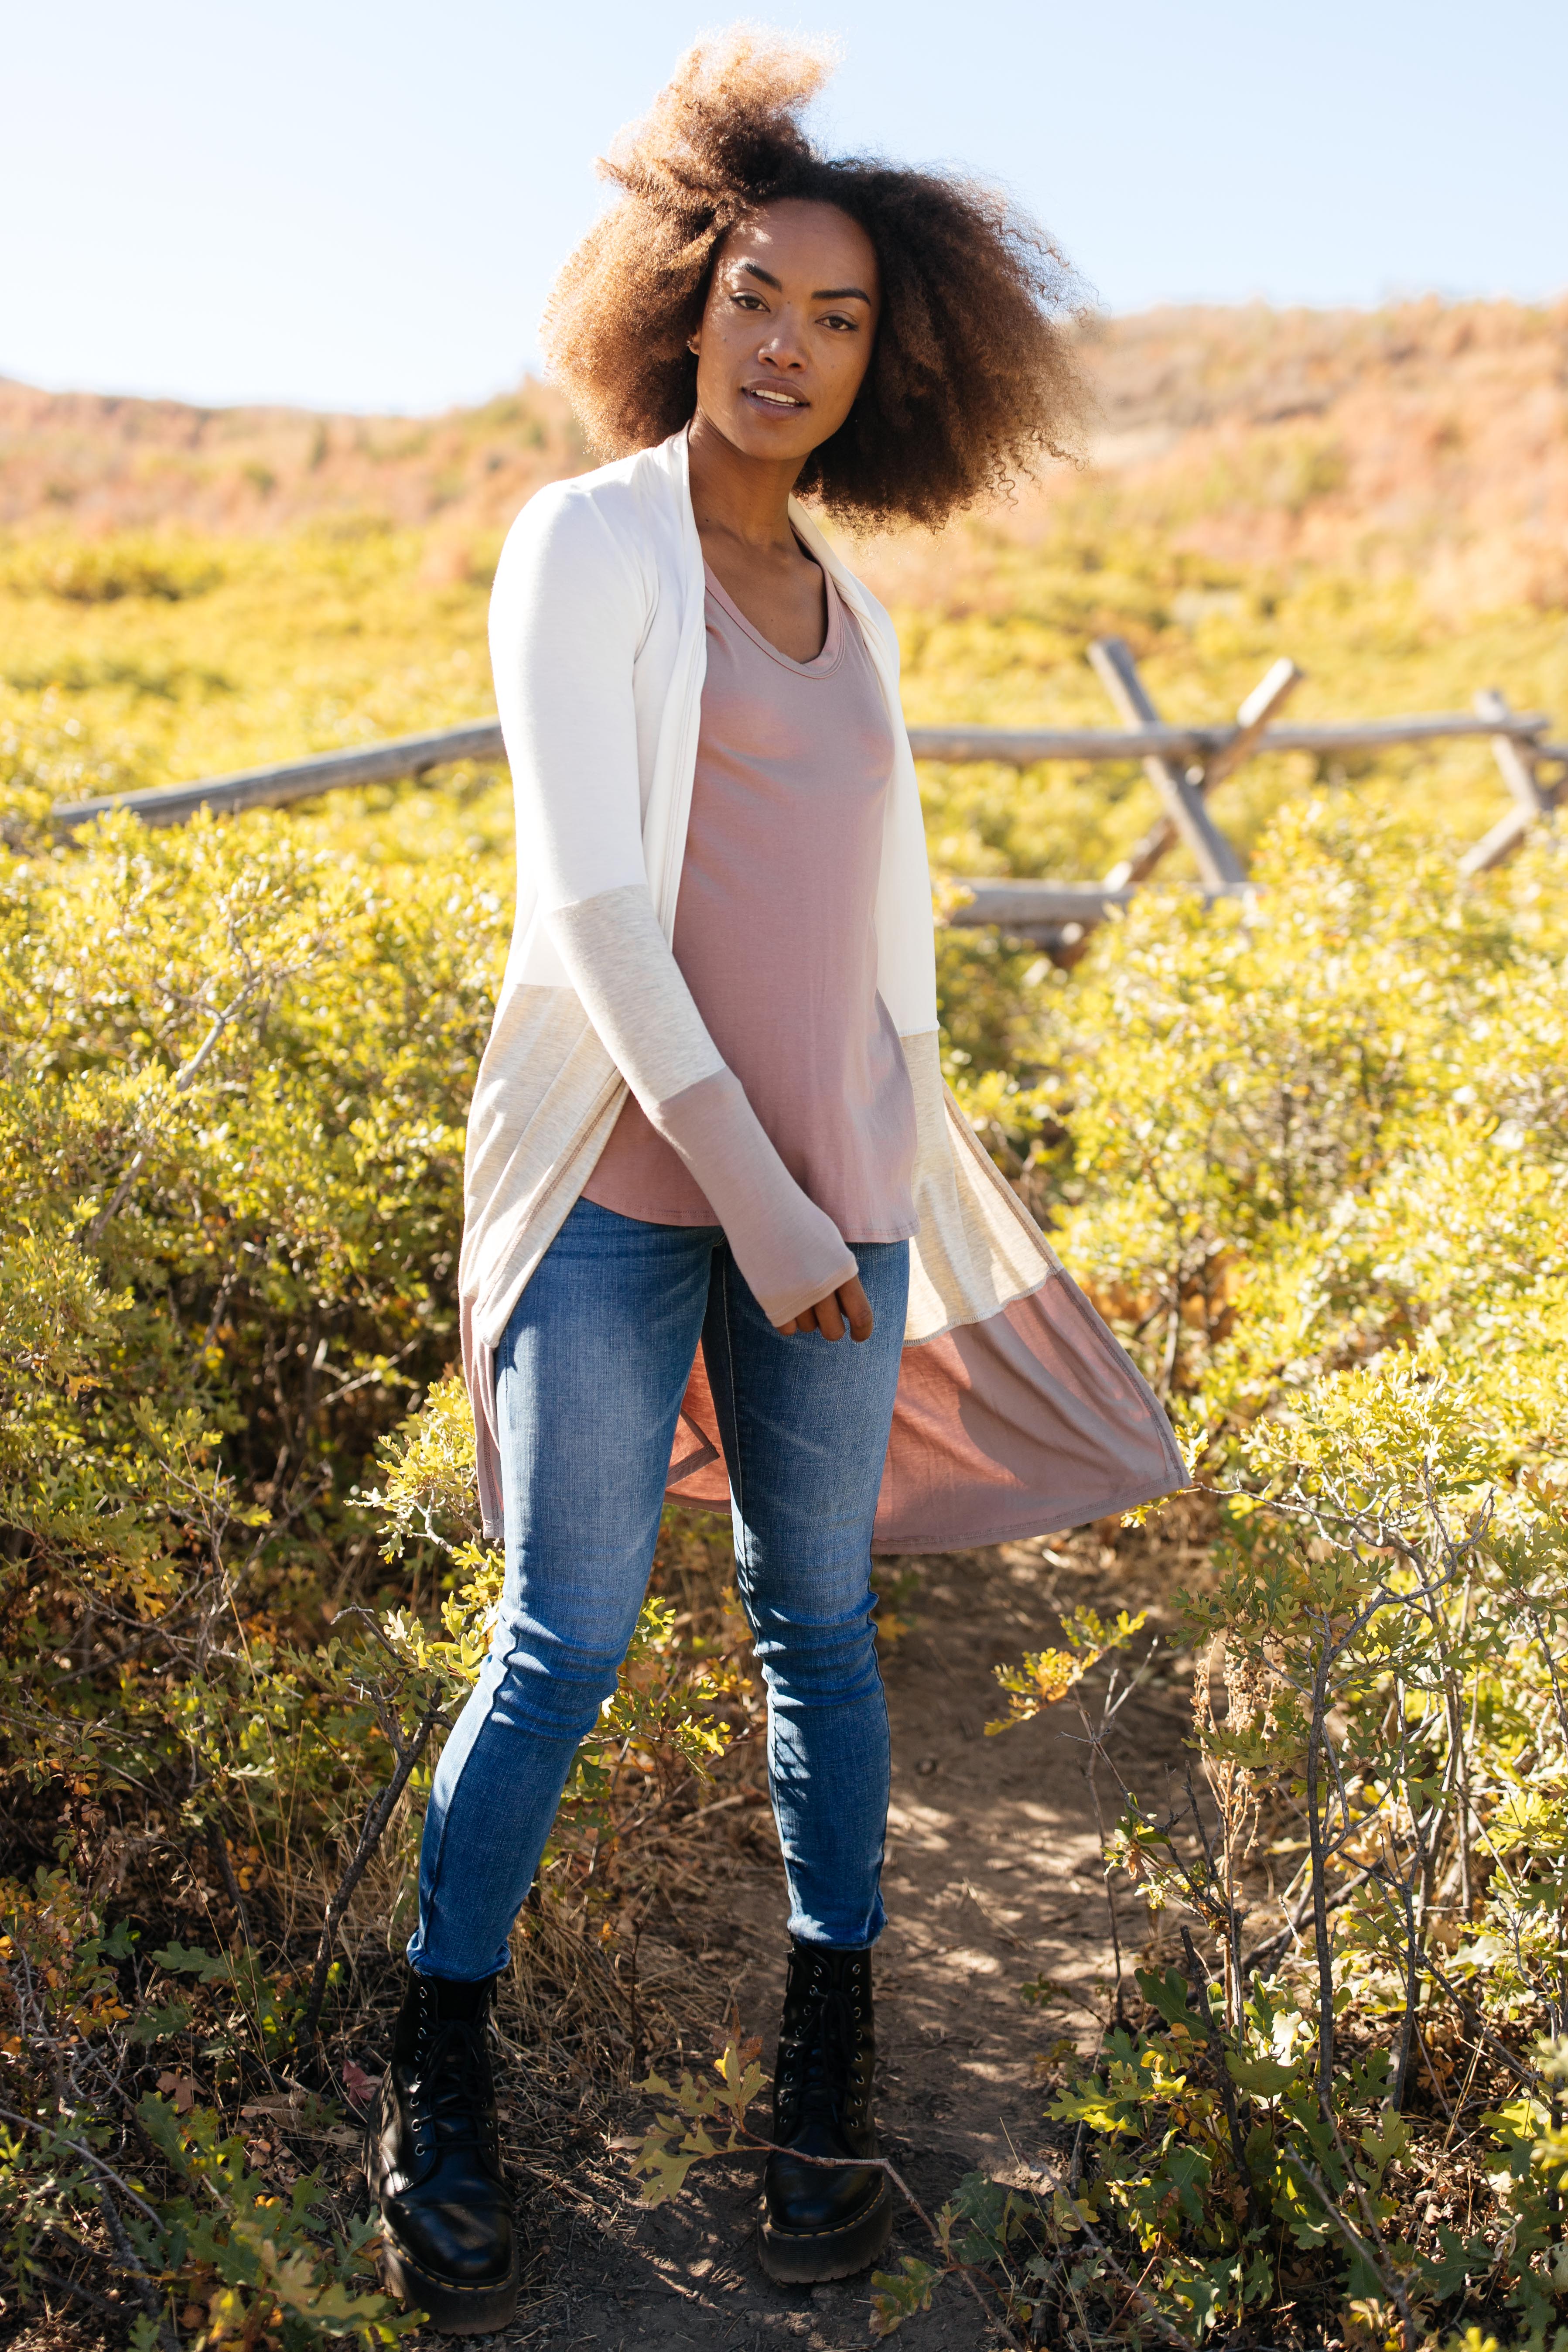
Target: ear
{"x":694,"y":344}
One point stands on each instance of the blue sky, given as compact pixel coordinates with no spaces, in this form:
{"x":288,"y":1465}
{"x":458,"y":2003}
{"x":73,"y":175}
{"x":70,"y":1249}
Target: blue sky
{"x":354,"y":207}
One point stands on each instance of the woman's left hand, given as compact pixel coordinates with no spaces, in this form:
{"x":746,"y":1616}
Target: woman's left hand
{"x":846,"y":1305}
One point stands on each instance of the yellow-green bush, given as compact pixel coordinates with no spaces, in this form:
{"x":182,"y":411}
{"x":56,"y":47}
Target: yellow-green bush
{"x":239,"y":1588}
{"x":1309,"y":1154}
{"x":1309,"y":1151}
{"x":1312,"y":1153}
{"x":232,"y":1087}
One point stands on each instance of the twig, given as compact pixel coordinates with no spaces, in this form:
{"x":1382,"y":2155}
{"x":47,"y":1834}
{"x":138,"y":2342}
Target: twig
{"x":1353,"y":2238}
{"x":217,"y":1846}
{"x":1464,"y":2094}
{"x":1261,"y":1953}
{"x":74,"y":2286}
{"x":1408,"y":2032}
{"x":637,"y":2023}
{"x":1198,"y":1985}
{"x":1220,"y":1905}
{"x":377,"y":1371}
{"x":882,"y":2164}
{"x":1441,"y":2096}
{"x":45,"y":2130}
{"x":151,"y":2300}
{"x":1172,"y":2334}
{"x":1090,"y":1768}
{"x":370,"y":1837}
{"x":1321,"y":1949}
{"x":1483,"y":2032}
{"x":183,"y":1079}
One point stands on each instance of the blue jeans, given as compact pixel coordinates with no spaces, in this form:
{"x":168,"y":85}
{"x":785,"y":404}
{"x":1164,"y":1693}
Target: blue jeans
{"x":590,"y":1378}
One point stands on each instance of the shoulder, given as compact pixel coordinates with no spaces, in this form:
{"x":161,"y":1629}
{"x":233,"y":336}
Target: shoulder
{"x":612,"y":520}
{"x":586,"y":525}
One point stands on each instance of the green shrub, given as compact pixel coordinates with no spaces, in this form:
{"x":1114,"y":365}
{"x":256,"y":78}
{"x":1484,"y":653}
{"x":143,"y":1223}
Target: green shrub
{"x":1307,"y":1152}
{"x":241,"y":1588}
{"x":1310,"y":1152}
{"x":101,"y":570}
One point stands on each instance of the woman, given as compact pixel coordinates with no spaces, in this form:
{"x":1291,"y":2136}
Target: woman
{"x":709,"y":1135}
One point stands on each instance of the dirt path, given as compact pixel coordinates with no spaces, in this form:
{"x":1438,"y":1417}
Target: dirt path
{"x":992,"y":1880}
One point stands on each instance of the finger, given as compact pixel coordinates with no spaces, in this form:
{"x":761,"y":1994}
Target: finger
{"x":856,"y":1308}
{"x":784,"y":1329}
{"x":829,"y":1321}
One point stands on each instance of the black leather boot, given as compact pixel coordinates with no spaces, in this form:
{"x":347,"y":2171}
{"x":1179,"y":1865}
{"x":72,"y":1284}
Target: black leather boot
{"x":432,"y":2162}
{"x":819,"y":2224}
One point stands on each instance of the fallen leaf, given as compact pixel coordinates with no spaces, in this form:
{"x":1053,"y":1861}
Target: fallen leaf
{"x":361,"y":2087}
{"x":184,"y":2089}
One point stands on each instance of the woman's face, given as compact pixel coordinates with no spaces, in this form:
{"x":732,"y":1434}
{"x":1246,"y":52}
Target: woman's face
{"x":787,"y":328}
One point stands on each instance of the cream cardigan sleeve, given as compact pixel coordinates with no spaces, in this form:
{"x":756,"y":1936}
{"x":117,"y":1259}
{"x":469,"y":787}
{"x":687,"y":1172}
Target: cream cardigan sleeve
{"x":567,"y":616}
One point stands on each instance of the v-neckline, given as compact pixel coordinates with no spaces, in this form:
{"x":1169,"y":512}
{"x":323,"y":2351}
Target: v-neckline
{"x":828,"y":655}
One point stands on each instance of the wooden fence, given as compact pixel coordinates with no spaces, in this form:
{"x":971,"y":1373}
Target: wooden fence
{"x":1183,"y":763}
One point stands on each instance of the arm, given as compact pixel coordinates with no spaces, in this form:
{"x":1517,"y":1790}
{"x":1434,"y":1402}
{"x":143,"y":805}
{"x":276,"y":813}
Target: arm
{"x":566,"y":618}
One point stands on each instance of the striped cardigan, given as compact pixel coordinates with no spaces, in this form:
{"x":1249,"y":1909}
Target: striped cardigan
{"x":1017,"y":1410}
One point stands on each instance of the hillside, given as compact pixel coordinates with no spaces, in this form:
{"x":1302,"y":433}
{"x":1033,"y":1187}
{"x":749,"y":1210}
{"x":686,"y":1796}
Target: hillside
{"x":1382,"y":497}
{"x":96,"y":462}
{"x":1426,"y":436}
{"x":1427,"y":439}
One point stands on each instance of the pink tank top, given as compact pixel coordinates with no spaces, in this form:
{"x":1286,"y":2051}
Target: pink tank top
{"x":776,"y":934}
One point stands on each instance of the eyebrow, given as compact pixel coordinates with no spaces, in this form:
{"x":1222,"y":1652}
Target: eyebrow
{"x":823,"y":293}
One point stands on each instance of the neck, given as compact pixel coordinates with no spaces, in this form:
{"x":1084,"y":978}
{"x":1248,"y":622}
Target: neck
{"x":747,"y":496}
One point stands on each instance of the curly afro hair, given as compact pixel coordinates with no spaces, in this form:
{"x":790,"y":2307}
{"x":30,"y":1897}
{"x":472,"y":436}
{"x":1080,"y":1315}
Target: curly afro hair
{"x":971,"y":379}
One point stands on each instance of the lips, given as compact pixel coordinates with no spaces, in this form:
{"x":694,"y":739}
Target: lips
{"x":768,"y":395}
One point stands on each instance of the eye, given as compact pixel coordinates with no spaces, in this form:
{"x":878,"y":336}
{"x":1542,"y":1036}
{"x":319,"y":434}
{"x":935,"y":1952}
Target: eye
{"x":746,"y":301}
{"x":841,"y":320}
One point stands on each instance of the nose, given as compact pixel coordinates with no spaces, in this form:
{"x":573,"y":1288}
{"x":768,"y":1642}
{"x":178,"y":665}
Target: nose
{"x":780,"y":348}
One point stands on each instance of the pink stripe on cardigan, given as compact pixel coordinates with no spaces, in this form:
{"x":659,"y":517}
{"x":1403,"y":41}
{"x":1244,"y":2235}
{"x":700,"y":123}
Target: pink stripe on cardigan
{"x":1001,"y":1431}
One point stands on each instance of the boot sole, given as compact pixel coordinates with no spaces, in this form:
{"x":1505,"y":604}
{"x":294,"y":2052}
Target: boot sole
{"x":808,"y":2257}
{"x":453,"y":2309}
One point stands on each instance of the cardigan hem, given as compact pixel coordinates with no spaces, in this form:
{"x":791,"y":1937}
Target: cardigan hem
{"x":1012,"y":1530}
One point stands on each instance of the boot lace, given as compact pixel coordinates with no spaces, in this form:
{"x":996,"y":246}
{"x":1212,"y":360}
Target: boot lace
{"x":448,"y":2088}
{"x":818,"y":2060}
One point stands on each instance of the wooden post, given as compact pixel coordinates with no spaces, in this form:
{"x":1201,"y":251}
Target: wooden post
{"x":1518,"y":771}
{"x":1271,"y":694}
{"x":1219,"y":868}
{"x":1272,"y":691}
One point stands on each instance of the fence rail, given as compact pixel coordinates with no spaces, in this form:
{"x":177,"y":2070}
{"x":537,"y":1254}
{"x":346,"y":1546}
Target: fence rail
{"x":293,"y":780}
{"x":1184,"y":763}
{"x":415,"y":755}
